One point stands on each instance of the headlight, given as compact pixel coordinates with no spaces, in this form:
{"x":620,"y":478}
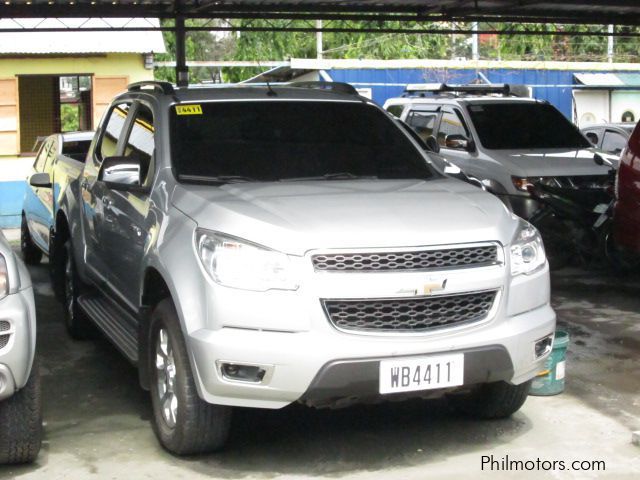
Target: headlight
{"x":4,"y":277}
{"x":237,"y":263}
{"x":527,"y":250}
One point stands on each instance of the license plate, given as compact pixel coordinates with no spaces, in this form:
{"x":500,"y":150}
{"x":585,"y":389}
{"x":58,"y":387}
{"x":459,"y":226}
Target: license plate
{"x":421,"y":373}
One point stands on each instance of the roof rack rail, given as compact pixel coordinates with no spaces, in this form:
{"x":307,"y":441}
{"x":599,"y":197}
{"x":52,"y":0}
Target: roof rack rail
{"x":339,"y":87}
{"x":164,"y":87}
{"x":478,"y":89}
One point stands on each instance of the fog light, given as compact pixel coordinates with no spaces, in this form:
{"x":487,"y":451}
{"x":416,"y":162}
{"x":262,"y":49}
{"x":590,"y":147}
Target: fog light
{"x":242,"y":373}
{"x":543,"y":346}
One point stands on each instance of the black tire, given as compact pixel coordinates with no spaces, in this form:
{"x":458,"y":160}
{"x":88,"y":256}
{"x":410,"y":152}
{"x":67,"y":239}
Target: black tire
{"x":21,"y":420}
{"x":78,"y":324}
{"x":492,"y":400}
{"x":31,"y":254}
{"x":191,"y":426}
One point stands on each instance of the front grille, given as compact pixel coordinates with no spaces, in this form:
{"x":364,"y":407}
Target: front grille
{"x":4,"y":326}
{"x":416,"y":260}
{"x":416,"y":314}
{"x":4,"y":340}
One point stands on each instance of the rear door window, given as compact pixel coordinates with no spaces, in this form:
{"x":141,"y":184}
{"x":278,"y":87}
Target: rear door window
{"x":51,"y":155}
{"x":423,"y":122}
{"x":395,"y":110}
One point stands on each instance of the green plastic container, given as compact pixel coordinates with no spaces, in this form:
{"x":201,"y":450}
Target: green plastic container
{"x":551,"y":380}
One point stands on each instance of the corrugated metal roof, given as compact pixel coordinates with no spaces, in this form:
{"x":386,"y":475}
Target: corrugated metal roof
{"x":78,"y":42}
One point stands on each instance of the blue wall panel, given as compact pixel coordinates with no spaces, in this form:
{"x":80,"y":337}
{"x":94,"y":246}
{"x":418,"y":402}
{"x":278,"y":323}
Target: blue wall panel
{"x":11,"y":196}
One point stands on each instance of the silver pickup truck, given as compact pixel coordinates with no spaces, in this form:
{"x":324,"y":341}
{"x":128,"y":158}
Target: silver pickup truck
{"x":255,"y":246}
{"x":20,"y":408}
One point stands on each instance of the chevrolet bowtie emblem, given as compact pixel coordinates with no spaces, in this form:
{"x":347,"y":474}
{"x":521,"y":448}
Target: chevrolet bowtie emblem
{"x":429,"y":288}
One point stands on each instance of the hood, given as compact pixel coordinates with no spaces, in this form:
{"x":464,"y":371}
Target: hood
{"x":300,"y":216}
{"x":550,"y":162}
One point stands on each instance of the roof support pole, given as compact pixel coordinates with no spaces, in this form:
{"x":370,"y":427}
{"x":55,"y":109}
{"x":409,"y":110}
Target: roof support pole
{"x":182,"y":71}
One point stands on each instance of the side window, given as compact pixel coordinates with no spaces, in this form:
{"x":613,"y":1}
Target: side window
{"x":613,"y":142}
{"x":395,"y":110}
{"x":140,"y":143}
{"x":109,"y":140}
{"x":51,"y":155}
{"x":423,"y":123}
{"x":41,"y":158}
{"x":451,"y":124}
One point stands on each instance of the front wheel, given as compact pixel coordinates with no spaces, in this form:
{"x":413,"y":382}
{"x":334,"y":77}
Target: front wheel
{"x":21,"y":422}
{"x":78,"y":324}
{"x":492,"y":400}
{"x":31,"y":254}
{"x":183,"y":422}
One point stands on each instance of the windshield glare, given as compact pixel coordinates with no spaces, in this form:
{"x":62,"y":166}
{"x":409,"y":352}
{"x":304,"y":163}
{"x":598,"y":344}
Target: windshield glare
{"x":512,"y":126}
{"x":280,"y":140}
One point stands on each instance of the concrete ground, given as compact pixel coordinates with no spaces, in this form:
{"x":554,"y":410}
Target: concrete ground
{"x":98,"y":419}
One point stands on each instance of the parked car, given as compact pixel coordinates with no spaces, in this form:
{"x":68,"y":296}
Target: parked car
{"x":20,"y":408}
{"x":611,"y":138}
{"x":626,"y":214}
{"x":47,"y":181}
{"x":259,"y":253}
{"x":507,"y":142}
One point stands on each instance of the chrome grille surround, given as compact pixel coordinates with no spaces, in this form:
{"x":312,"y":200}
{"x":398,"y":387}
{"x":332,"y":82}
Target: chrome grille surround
{"x":409,"y":314}
{"x":433,"y":258}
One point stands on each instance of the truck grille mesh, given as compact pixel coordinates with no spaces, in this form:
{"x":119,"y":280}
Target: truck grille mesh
{"x":417,"y":314}
{"x":4,"y":339}
{"x":417,"y":260}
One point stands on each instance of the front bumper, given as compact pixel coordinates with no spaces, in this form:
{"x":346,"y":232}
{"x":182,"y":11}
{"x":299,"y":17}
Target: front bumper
{"x":314,"y":367}
{"x":16,"y":355}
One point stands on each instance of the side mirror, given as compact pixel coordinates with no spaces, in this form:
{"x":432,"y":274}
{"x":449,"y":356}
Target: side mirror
{"x":600,"y":160}
{"x":41,"y":179}
{"x":432,"y":144}
{"x":458,"y":142}
{"x":120,"y":173}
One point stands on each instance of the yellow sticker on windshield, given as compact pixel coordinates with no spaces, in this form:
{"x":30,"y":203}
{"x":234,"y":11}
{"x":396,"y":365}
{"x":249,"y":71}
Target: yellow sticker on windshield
{"x":188,"y":109}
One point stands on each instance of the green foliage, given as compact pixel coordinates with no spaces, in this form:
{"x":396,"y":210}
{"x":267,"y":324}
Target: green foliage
{"x":278,"y":46}
{"x":69,"y":117}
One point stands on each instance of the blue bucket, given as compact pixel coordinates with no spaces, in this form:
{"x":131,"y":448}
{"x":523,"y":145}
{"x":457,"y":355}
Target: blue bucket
{"x":551,"y":380}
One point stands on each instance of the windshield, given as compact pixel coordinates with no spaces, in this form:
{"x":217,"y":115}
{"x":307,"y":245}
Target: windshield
{"x":512,"y":126}
{"x":294,"y":140}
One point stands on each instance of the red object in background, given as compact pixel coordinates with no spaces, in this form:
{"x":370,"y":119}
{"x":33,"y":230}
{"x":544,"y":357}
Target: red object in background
{"x":626,"y":215}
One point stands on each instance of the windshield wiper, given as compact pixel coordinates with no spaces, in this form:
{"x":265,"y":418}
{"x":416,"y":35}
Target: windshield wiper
{"x":218,"y":179}
{"x":331,"y":176}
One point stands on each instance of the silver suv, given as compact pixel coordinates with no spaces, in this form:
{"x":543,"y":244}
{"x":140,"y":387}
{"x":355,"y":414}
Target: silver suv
{"x":20,"y":411}
{"x":505,"y":141}
{"x":262,"y":245}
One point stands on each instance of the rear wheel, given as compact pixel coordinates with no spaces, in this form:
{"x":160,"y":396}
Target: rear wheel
{"x":21,"y":420}
{"x":31,"y":254}
{"x":183,"y":422}
{"x":492,"y":400}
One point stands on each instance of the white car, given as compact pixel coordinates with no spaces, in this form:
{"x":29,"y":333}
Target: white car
{"x":505,"y":141}
{"x":20,"y":411}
